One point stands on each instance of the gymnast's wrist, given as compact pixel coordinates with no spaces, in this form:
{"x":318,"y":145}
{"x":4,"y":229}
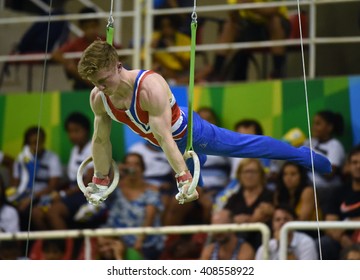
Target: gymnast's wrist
{"x":183,"y":177}
{"x":104,"y":180}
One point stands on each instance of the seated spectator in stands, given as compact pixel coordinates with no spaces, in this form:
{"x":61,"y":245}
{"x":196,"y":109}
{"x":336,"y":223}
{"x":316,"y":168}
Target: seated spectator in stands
{"x":215,"y":175}
{"x":36,"y":160}
{"x":173,"y":66}
{"x":183,"y":246}
{"x":64,"y":204}
{"x":351,"y":253}
{"x":6,"y":166}
{"x":35,"y":38}
{"x":136,"y":204}
{"x":185,"y":20}
{"x":253,"y":202}
{"x":91,"y":30}
{"x":110,"y":248}
{"x":247,"y":25}
{"x":53,"y":249}
{"x":216,"y":171}
{"x":327,"y":126}
{"x":300,"y":245}
{"x":11,"y":250}
{"x":344,"y":205}
{"x":245,"y":126}
{"x":226,"y":245}
{"x":293,"y":188}
{"x":158,"y":171}
{"x":9,"y":216}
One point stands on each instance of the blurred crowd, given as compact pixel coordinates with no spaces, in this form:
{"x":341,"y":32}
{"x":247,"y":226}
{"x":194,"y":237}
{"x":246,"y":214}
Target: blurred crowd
{"x":38,"y":193}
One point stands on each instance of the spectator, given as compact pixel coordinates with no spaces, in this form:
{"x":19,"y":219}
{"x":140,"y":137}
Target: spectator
{"x":6,"y":166}
{"x":173,"y":66}
{"x":9,"y":216}
{"x":343,"y":205}
{"x":253,"y":202}
{"x":90,"y":28}
{"x":351,"y":253}
{"x":300,"y":246}
{"x":293,"y":188}
{"x":215,"y":175}
{"x":37,"y":173}
{"x":328,"y":125}
{"x":11,"y":250}
{"x":246,"y":126}
{"x":185,"y":20}
{"x":137,"y":204}
{"x":53,"y":249}
{"x":35,"y":38}
{"x":183,"y":246}
{"x":246,"y":25}
{"x":64,"y":204}
{"x":226,"y":245}
{"x":216,"y":170}
{"x":110,"y":248}
{"x":158,"y":171}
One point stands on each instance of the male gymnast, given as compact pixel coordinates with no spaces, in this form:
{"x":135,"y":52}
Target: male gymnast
{"x":143,"y":100}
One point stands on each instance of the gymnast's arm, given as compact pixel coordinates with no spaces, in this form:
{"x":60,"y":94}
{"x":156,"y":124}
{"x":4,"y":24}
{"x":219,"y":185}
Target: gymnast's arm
{"x":101,"y":145}
{"x":155,"y":100}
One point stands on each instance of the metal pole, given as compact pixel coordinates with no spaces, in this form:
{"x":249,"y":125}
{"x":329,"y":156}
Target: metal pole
{"x":148,"y":34}
{"x":312,"y":37}
{"x":310,"y":225}
{"x":118,"y":23}
{"x":136,"y":61}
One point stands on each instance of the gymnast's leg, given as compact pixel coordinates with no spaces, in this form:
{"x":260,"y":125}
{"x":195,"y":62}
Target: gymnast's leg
{"x":212,"y":140}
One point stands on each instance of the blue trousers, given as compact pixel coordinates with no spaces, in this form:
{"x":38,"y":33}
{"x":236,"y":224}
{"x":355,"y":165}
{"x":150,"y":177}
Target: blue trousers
{"x":209,"y":139}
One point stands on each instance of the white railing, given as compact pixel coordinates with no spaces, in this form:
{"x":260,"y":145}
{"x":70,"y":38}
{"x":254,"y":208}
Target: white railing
{"x":136,"y":14}
{"x":88,"y":233}
{"x":290,"y":226}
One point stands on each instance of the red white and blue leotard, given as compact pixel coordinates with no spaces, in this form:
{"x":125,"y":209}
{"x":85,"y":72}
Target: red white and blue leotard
{"x":138,"y":119}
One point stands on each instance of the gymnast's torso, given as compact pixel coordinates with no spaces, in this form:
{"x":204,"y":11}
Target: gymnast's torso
{"x":138,"y":119}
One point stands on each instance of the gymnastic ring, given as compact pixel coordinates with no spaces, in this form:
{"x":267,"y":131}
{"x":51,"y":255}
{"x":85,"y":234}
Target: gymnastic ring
{"x":196,"y":175}
{"x":80,"y":174}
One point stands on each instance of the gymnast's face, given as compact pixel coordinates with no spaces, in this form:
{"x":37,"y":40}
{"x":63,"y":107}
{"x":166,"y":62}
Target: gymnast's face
{"x":108,"y":80}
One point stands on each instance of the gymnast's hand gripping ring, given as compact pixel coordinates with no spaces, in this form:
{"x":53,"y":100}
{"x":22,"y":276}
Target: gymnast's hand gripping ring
{"x":113,"y":184}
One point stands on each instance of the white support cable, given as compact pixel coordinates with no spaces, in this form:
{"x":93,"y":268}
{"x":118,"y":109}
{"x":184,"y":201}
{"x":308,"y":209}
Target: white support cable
{"x":87,"y":233}
{"x":312,"y":60}
{"x":297,"y":225}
